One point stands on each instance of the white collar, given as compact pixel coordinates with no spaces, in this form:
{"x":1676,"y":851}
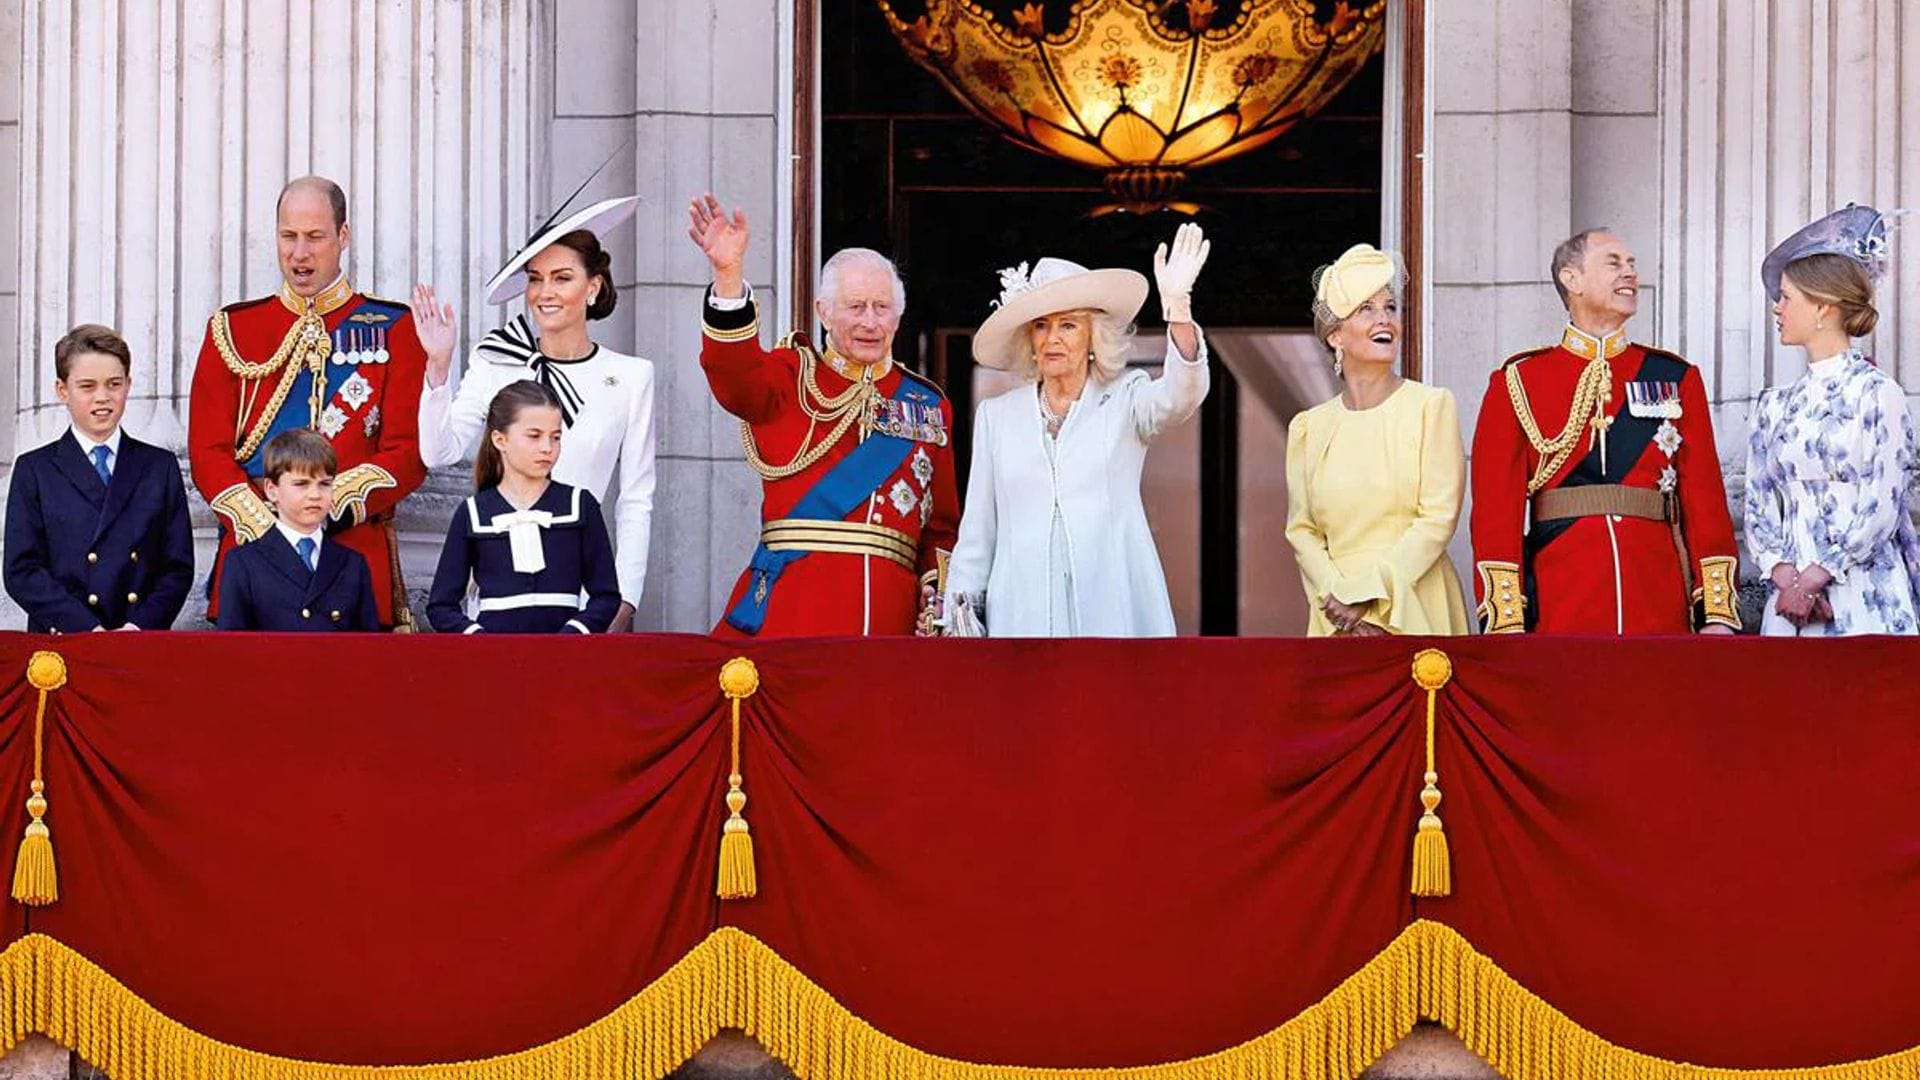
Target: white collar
{"x":1828,"y":367}
{"x":111,"y":442}
{"x":294,"y":536}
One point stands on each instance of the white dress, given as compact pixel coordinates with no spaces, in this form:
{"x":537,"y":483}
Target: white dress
{"x":1054,"y":534}
{"x":1827,"y":482}
{"x":609,"y":397}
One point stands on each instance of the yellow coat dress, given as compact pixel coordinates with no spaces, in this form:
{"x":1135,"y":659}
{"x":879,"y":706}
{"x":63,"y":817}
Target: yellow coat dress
{"x":1372,"y":500}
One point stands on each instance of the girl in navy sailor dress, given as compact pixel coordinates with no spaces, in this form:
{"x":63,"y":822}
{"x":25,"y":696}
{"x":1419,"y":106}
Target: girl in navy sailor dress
{"x":535,"y":550}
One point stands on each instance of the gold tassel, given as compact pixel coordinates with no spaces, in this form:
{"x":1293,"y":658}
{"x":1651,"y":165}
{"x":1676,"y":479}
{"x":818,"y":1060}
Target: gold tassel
{"x":738,"y":680}
{"x":36,"y":879}
{"x":1432,"y":865}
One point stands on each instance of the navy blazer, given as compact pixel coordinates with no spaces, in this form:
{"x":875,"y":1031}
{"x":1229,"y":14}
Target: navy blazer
{"x":265,"y":586}
{"x":81,"y":554}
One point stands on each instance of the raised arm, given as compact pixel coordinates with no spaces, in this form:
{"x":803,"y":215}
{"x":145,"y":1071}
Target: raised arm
{"x":744,"y":379}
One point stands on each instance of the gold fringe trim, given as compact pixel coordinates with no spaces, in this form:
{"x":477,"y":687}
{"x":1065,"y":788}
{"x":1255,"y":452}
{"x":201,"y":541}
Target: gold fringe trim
{"x":733,"y":980}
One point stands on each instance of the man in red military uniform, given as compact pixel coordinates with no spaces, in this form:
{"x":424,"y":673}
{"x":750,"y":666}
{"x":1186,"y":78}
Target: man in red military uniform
{"x":859,"y":499}
{"x":317,"y":355}
{"x":1598,"y":505}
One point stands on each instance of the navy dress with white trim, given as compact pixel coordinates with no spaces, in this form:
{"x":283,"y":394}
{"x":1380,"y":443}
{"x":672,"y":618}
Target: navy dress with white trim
{"x":543,"y":570}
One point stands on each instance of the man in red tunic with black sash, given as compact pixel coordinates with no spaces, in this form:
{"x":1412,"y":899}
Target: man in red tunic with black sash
{"x":1598,"y":505}
{"x":316,"y":355}
{"x":859,"y":501}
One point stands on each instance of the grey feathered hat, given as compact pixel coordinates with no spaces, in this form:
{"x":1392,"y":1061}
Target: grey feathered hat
{"x":1857,"y":232}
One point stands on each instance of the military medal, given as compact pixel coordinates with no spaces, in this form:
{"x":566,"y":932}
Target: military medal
{"x":380,"y":354}
{"x":339,"y":357}
{"x":1654,"y":400}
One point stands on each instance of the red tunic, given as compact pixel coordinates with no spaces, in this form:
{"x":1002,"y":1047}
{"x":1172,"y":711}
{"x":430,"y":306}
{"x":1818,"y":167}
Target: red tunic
{"x":831,"y":593}
{"x":368,"y":406}
{"x":1608,"y":573}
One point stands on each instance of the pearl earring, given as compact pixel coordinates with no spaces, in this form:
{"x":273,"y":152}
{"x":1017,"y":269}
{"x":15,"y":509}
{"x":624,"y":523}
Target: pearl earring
{"x":1337,"y":358}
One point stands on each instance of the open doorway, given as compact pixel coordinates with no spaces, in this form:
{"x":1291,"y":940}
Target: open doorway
{"x":905,"y":168}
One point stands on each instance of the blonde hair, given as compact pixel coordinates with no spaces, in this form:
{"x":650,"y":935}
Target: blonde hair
{"x":1112,"y":345}
{"x":1840,"y":282}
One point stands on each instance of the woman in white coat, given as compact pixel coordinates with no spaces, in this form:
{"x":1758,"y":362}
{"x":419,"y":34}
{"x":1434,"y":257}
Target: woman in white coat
{"x":606,"y":397}
{"x":1054,"y":540}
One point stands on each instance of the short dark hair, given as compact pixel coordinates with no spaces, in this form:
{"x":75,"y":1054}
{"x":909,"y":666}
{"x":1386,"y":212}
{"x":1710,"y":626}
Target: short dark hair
{"x":1568,"y":255}
{"x":90,"y":338}
{"x":301,"y":450}
{"x":599,"y":264}
{"x":335,"y":197}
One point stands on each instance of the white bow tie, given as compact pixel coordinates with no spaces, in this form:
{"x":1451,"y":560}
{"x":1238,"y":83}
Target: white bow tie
{"x":523,"y":537}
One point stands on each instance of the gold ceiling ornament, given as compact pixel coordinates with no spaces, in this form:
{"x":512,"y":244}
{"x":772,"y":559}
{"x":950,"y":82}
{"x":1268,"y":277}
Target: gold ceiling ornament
{"x":1144,"y":89}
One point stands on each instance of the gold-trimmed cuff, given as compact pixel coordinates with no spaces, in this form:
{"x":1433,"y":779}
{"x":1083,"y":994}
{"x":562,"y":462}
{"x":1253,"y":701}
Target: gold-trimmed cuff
{"x":1718,"y":594}
{"x":351,"y":488}
{"x":728,"y":337}
{"x":248,"y":516}
{"x":1504,"y":607}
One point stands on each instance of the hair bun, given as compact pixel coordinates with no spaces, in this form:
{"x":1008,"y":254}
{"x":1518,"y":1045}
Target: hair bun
{"x":1861,"y":320}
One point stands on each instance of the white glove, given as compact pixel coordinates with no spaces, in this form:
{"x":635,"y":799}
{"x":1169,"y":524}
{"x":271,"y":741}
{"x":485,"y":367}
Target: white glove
{"x":1175,"y":272}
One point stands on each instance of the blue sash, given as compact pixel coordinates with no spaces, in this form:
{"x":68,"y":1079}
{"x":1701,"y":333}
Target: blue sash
{"x":832,"y":498}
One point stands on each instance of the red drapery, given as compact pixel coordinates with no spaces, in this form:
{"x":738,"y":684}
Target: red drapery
{"x":393,"y":851}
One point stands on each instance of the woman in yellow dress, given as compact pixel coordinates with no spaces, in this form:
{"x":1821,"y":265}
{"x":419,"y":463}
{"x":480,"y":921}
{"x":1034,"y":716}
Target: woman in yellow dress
{"x":1375,"y":476}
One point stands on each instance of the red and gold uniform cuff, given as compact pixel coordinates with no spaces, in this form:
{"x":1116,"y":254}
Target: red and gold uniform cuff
{"x":1718,"y":594}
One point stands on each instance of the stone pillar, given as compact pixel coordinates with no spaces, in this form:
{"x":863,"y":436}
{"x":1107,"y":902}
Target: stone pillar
{"x":10,"y":47}
{"x":1501,"y":192}
{"x":696,"y":86}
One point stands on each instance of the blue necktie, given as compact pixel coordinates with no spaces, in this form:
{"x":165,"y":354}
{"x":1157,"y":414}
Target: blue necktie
{"x":305,"y":547}
{"x":100,"y":456}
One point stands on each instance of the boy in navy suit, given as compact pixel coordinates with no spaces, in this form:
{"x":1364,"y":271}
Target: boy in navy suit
{"x":293,"y":578}
{"x":97,"y":534}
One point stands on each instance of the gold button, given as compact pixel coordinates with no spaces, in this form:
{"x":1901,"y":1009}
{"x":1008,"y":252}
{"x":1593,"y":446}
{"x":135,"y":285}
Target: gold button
{"x":93,"y":598}
{"x":133,"y":598}
{"x":336,"y":615}
{"x":305,"y":614}
{"x":135,"y":556}
{"x":93,"y":556}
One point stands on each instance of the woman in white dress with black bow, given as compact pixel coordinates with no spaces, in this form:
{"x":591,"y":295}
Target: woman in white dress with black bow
{"x":606,"y":397}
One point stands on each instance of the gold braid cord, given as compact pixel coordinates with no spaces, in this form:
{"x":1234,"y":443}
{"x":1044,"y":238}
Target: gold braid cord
{"x":734,"y":980}
{"x":855,"y":403}
{"x":1590,"y":394}
{"x":305,"y":346}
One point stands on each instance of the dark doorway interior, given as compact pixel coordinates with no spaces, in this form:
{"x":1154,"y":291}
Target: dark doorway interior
{"x":906,"y":169}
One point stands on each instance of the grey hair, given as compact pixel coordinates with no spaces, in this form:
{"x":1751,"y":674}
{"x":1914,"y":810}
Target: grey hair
{"x":1568,"y":255}
{"x":320,"y":185}
{"x":1112,"y":345}
{"x":829,"y":286}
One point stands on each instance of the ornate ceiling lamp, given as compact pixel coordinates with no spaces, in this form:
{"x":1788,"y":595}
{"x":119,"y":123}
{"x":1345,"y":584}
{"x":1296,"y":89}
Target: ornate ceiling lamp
{"x":1144,"y":89}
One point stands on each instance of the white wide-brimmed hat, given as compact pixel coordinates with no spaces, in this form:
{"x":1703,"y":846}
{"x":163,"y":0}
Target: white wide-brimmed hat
{"x":1054,"y":285}
{"x":597,"y":219}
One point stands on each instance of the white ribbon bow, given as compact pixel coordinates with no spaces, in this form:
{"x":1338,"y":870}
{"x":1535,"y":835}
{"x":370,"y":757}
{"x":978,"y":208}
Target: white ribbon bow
{"x":523,"y":537}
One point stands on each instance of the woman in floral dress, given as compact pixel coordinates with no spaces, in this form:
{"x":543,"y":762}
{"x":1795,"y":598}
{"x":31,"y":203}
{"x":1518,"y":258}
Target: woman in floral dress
{"x":1827,"y":508}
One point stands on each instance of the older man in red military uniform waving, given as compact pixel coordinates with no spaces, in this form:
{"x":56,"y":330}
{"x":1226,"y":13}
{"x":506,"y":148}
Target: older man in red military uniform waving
{"x":853,"y":450}
{"x":1598,"y":505}
{"x":319,"y":355}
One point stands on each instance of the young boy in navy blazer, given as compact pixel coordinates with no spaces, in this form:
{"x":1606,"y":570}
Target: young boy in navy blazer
{"x":293,"y":578}
{"x":97,"y":534}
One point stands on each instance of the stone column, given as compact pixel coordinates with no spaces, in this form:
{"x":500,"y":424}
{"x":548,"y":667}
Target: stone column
{"x":1501,"y":194}
{"x":696,"y":86}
